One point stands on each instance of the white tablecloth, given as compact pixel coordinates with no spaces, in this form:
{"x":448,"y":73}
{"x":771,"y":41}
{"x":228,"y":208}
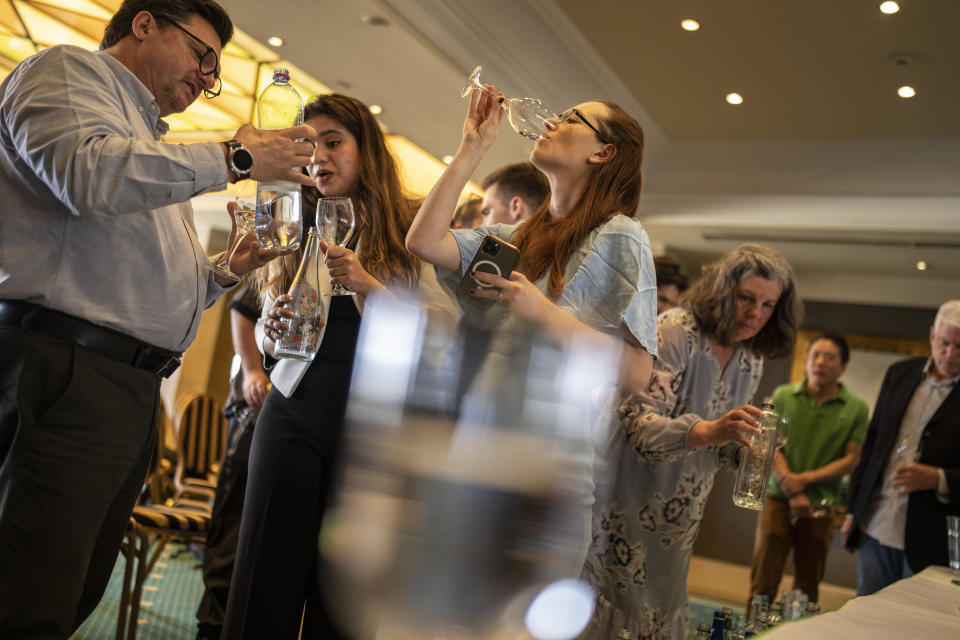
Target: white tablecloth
{"x":924,"y":606}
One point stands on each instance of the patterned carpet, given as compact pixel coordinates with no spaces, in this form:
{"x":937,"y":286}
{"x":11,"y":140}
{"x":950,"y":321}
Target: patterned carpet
{"x":171,"y":594}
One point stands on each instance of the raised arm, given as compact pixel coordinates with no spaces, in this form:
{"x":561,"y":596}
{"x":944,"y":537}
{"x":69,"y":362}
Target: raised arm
{"x":429,"y":238}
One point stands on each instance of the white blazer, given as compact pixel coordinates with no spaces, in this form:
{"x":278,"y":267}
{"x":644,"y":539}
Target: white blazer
{"x":287,"y":373}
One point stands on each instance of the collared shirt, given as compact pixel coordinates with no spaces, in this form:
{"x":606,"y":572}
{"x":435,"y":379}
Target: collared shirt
{"x":886,"y":517}
{"x":819,"y":434}
{"x":96,"y":220}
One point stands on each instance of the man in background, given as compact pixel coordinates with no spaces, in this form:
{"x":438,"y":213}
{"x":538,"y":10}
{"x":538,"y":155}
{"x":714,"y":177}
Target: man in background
{"x":670,"y":283}
{"x":512,"y":193}
{"x":469,"y":214}
{"x":908,"y":479}
{"x":827,"y":429}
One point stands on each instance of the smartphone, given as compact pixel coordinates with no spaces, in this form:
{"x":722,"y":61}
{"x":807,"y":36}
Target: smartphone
{"x":493,"y":256}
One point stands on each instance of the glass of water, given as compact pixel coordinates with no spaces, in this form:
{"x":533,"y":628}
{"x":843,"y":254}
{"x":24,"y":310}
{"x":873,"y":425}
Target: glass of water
{"x":336,"y":222}
{"x":953,"y":542}
{"x":279,"y":218}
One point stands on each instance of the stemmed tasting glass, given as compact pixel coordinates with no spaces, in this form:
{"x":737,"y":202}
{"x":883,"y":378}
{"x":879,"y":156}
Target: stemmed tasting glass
{"x":243,"y":215}
{"x":526,"y":115}
{"x":783,"y":431}
{"x":336,"y":222}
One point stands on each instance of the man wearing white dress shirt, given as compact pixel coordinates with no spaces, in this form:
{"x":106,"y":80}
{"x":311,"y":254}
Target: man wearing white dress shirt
{"x":908,"y":479}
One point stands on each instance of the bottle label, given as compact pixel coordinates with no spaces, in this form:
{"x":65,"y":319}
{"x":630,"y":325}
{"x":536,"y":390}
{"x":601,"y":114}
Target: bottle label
{"x":303,"y":336}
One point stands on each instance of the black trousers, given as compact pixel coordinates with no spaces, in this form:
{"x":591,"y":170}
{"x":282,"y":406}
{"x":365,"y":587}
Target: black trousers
{"x":220,"y":548}
{"x":291,"y":475}
{"x":77,"y":431}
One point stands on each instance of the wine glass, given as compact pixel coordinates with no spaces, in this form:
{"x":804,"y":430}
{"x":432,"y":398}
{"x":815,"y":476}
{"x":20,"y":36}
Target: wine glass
{"x":783,"y":431}
{"x":279,"y":220}
{"x":526,"y":115}
{"x":336,"y":222}
{"x":244,"y":214}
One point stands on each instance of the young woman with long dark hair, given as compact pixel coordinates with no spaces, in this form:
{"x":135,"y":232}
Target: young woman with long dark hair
{"x":297,"y":438}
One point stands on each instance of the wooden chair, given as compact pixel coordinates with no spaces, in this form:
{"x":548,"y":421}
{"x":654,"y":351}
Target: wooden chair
{"x":201,"y":439}
{"x":185,"y":515}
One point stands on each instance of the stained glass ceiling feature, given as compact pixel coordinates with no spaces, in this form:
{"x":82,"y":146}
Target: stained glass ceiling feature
{"x":30,"y":26}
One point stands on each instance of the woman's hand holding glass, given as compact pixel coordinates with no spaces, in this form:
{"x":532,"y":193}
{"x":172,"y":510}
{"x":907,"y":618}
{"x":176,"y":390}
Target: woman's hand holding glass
{"x":526,"y":115}
{"x":483,"y":118}
{"x":737,"y":426}
{"x":336,"y":222}
{"x":345,"y":270}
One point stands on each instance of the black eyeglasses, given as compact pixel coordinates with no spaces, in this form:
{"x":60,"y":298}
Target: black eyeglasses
{"x":208,"y":62}
{"x":573,"y":111}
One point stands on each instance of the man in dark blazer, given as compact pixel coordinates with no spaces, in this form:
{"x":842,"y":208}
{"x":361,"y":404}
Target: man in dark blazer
{"x":908,"y":479}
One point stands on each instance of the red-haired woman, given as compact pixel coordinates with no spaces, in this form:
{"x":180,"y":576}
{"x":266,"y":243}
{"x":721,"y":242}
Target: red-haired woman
{"x":585,"y":262}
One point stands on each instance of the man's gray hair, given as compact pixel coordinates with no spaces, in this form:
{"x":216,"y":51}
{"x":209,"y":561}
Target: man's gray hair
{"x":948,"y":312}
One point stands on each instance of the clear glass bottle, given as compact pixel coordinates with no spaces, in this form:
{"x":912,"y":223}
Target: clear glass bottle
{"x":756,"y":461}
{"x":302,"y":339}
{"x":279,"y":219}
{"x":739,"y":627}
{"x":776,"y":614}
{"x":719,"y":626}
{"x":727,"y":623}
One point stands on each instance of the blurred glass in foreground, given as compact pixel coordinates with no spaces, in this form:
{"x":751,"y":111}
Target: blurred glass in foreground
{"x":465,"y":517}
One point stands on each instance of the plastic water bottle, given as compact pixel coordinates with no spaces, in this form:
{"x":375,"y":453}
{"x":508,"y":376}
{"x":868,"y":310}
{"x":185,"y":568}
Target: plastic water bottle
{"x":279,"y":220}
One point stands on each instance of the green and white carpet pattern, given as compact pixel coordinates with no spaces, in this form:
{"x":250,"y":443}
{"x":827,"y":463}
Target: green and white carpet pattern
{"x":173,"y":590}
{"x":171,"y":594}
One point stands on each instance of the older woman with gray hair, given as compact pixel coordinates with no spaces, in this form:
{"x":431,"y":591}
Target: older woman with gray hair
{"x":674,"y":436}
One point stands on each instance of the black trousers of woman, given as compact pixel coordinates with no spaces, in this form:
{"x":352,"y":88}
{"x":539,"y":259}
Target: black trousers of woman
{"x":292,"y":466}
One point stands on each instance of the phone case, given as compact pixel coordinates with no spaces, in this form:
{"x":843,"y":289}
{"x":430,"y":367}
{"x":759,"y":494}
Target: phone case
{"x":493,"y":256}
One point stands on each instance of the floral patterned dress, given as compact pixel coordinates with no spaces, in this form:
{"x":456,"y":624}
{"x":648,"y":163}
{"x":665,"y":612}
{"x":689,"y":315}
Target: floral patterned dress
{"x":652,"y":494}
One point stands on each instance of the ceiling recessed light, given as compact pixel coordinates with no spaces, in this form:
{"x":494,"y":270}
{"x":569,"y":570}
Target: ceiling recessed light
{"x":734,"y":98}
{"x":275,"y":41}
{"x":906,"y":91}
{"x":447,"y":159}
{"x":689,"y":24}
{"x":889,"y":7}
{"x":376,"y":109}
{"x":921,"y":265}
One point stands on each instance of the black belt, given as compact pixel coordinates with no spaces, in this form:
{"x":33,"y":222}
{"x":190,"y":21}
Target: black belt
{"x":113,"y":344}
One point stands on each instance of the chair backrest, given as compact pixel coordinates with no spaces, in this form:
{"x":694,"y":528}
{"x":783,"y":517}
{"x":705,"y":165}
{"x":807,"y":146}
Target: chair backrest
{"x":201,"y":437}
{"x":159,"y":480}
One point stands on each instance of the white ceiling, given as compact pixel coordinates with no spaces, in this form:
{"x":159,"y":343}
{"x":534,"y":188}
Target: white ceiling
{"x":853,"y":194}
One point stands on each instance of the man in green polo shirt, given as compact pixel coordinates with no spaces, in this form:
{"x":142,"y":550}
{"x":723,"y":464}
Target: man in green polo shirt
{"x":827,"y":428}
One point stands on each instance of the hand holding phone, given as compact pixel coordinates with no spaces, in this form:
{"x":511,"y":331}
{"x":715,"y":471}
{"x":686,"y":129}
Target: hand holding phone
{"x":494,"y":256}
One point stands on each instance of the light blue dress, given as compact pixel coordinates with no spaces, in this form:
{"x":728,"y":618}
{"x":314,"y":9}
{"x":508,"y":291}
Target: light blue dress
{"x":609,"y":282}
